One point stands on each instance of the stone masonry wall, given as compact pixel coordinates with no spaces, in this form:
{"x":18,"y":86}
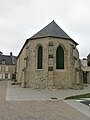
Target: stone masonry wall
{"x":48,"y":76}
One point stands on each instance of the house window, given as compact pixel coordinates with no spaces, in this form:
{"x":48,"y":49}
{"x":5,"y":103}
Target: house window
{"x":3,"y":61}
{"x":39,"y":57}
{"x":13,"y":76}
{"x":59,"y":58}
{"x":6,"y":68}
{"x":6,"y":75}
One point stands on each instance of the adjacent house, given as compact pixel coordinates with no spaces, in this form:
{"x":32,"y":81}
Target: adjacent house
{"x":49,"y":59}
{"x":7,"y":66}
{"x":85,"y":66}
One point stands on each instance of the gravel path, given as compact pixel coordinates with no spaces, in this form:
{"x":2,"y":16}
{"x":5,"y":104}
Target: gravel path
{"x":36,"y":110}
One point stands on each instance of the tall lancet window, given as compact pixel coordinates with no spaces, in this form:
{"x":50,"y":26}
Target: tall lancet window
{"x":40,"y":57}
{"x":59,"y":58}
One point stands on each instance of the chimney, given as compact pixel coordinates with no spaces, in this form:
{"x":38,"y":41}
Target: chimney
{"x":1,"y":53}
{"x":10,"y":53}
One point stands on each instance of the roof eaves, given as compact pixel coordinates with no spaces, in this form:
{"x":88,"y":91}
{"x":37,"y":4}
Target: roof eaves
{"x":54,"y":37}
{"x":22,"y":48}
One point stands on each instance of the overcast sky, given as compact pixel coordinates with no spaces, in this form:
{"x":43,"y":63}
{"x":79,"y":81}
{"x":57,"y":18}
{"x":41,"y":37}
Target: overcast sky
{"x":20,"y":19}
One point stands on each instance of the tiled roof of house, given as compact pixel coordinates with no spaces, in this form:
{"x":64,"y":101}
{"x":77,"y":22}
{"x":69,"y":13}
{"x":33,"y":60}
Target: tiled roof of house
{"x":9,"y":60}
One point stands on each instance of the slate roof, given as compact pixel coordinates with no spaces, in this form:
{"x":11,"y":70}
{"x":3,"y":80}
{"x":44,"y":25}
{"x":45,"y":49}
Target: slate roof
{"x":52,"y":30}
{"x":9,"y":60}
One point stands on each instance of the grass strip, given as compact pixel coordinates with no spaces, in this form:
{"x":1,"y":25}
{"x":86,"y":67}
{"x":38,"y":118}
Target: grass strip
{"x":78,"y":96}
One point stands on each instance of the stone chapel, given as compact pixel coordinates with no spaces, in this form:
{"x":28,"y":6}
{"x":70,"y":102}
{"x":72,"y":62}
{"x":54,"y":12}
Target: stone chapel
{"x":49,"y":60}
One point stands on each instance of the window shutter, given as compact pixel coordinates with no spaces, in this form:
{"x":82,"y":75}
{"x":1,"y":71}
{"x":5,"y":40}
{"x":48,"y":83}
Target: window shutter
{"x":0,"y":76}
{"x":8,"y":76}
{"x":3,"y":76}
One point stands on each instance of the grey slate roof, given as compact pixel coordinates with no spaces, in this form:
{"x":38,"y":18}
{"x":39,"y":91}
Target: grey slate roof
{"x":9,"y":60}
{"x":51,"y":30}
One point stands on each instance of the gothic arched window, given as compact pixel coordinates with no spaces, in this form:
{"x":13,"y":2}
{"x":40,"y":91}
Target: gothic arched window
{"x":59,"y":58}
{"x":39,"y":57}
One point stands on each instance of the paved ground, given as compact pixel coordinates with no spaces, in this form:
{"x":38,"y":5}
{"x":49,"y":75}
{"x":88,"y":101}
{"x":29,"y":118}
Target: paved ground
{"x":36,"y":110}
{"x":16,"y":93}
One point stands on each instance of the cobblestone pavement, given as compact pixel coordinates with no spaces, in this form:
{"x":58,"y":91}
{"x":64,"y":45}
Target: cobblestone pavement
{"x":36,"y":110}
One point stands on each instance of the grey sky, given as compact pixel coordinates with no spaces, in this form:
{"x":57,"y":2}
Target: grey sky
{"x":20,"y":19}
